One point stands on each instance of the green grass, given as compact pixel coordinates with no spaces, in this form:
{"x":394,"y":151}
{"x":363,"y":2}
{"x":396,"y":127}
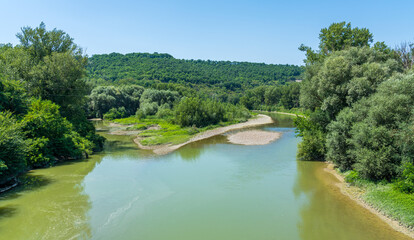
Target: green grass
{"x":397,"y":205}
{"x":127,"y":121}
{"x":383,"y":197}
{"x":169,"y":133}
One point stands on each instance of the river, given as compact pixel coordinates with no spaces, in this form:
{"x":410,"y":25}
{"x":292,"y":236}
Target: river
{"x":206,"y":190}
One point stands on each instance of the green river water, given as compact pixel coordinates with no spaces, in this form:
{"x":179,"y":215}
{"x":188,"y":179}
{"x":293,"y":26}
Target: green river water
{"x":206,"y":190}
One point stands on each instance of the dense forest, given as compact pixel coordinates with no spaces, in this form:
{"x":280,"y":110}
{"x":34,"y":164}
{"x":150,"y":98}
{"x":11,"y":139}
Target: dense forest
{"x":221,"y":80}
{"x":360,"y":99}
{"x":146,"y":68}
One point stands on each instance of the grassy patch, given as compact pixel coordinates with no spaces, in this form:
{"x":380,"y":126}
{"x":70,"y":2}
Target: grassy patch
{"x":395,"y":204}
{"x":127,"y":121}
{"x":139,"y":126}
{"x":168,"y":132}
{"x":384,"y":197}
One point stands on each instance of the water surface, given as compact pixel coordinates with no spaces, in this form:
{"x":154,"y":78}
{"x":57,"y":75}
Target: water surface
{"x":207,"y":190}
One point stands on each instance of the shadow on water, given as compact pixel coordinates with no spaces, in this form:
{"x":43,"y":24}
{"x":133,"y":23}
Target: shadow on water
{"x":6,"y":212}
{"x":27,"y":182}
{"x":51,"y":203}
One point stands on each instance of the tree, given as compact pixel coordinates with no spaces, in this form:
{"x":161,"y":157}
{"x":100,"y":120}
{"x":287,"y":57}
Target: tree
{"x":406,"y":53}
{"x":12,"y":147}
{"x":41,"y":43}
{"x":104,"y":98}
{"x":53,"y":137}
{"x":341,"y":73}
{"x":337,"y":37}
{"x":344,"y":77}
{"x":13,"y":97}
{"x":374,"y":136}
{"x":59,"y":78}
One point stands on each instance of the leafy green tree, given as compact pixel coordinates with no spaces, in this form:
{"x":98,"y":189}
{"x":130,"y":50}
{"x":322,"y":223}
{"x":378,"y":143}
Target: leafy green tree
{"x":344,"y":77}
{"x":12,"y":97}
{"x":374,"y":136}
{"x":337,"y":37}
{"x":12,"y":147}
{"x":53,"y":136}
{"x":104,"y":98}
{"x":160,"y":97}
{"x":59,"y":78}
{"x":41,"y":43}
{"x":114,"y":113}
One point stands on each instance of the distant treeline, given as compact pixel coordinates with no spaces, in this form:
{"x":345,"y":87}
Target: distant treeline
{"x":224,"y":81}
{"x":146,"y":67}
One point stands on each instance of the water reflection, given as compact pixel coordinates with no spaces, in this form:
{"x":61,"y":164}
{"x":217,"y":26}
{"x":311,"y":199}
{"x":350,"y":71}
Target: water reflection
{"x":281,"y":120}
{"x":328,"y":214}
{"x":49,"y":204}
{"x":192,"y":151}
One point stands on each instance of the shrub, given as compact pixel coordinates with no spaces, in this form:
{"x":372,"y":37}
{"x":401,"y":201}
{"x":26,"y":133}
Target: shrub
{"x":149,"y":108}
{"x":12,"y":147}
{"x":115,"y":113}
{"x":164,"y":112}
{"x":53,"y":137}
{"x":352,"y":176}
{"x":405,"y":183}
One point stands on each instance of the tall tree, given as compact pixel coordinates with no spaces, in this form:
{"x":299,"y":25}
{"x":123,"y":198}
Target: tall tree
{"x":337,"y":37}
{"x":41,"y":42}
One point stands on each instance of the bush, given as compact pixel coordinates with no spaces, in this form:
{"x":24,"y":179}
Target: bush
{"x":37,"y":154}
{"x":312,"y":147}
{"x":149,"y":108}
{"x":115,"y":113}
{"x":405,"y":183}
{"x":139,"y":114}
{"x":53,"y":137}
{"x":352,"y":177}
{"x":12,"y":147}
{"x":164,"y":112}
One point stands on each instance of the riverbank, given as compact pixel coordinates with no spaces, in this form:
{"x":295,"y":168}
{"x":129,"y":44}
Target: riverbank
{"x":254,"y":137}
{"x":163,"y":149}
{"x":284,"y":113}
{"x":356,"y":194}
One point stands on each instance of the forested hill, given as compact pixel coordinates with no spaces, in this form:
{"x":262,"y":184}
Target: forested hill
{"x":146,"y":69}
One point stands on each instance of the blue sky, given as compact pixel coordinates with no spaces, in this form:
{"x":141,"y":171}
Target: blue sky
{"x":255,"y":31}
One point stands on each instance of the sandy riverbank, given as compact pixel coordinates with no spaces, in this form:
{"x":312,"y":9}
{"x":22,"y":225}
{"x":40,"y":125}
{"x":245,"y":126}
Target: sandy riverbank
{"x":284,"y":113}
{"x":254,"y":137}
{"x":356,"y":193}
{"x":165,"y":149}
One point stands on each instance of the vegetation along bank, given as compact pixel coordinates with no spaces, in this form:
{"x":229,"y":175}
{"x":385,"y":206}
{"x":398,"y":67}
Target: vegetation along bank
{"x":359,"y":98}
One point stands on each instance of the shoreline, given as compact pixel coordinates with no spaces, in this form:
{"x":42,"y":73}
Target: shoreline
{"x":355,"y":194}
{"x":259,"y":120}
{"x":253,"y":137}
{"x":285,"y":113}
